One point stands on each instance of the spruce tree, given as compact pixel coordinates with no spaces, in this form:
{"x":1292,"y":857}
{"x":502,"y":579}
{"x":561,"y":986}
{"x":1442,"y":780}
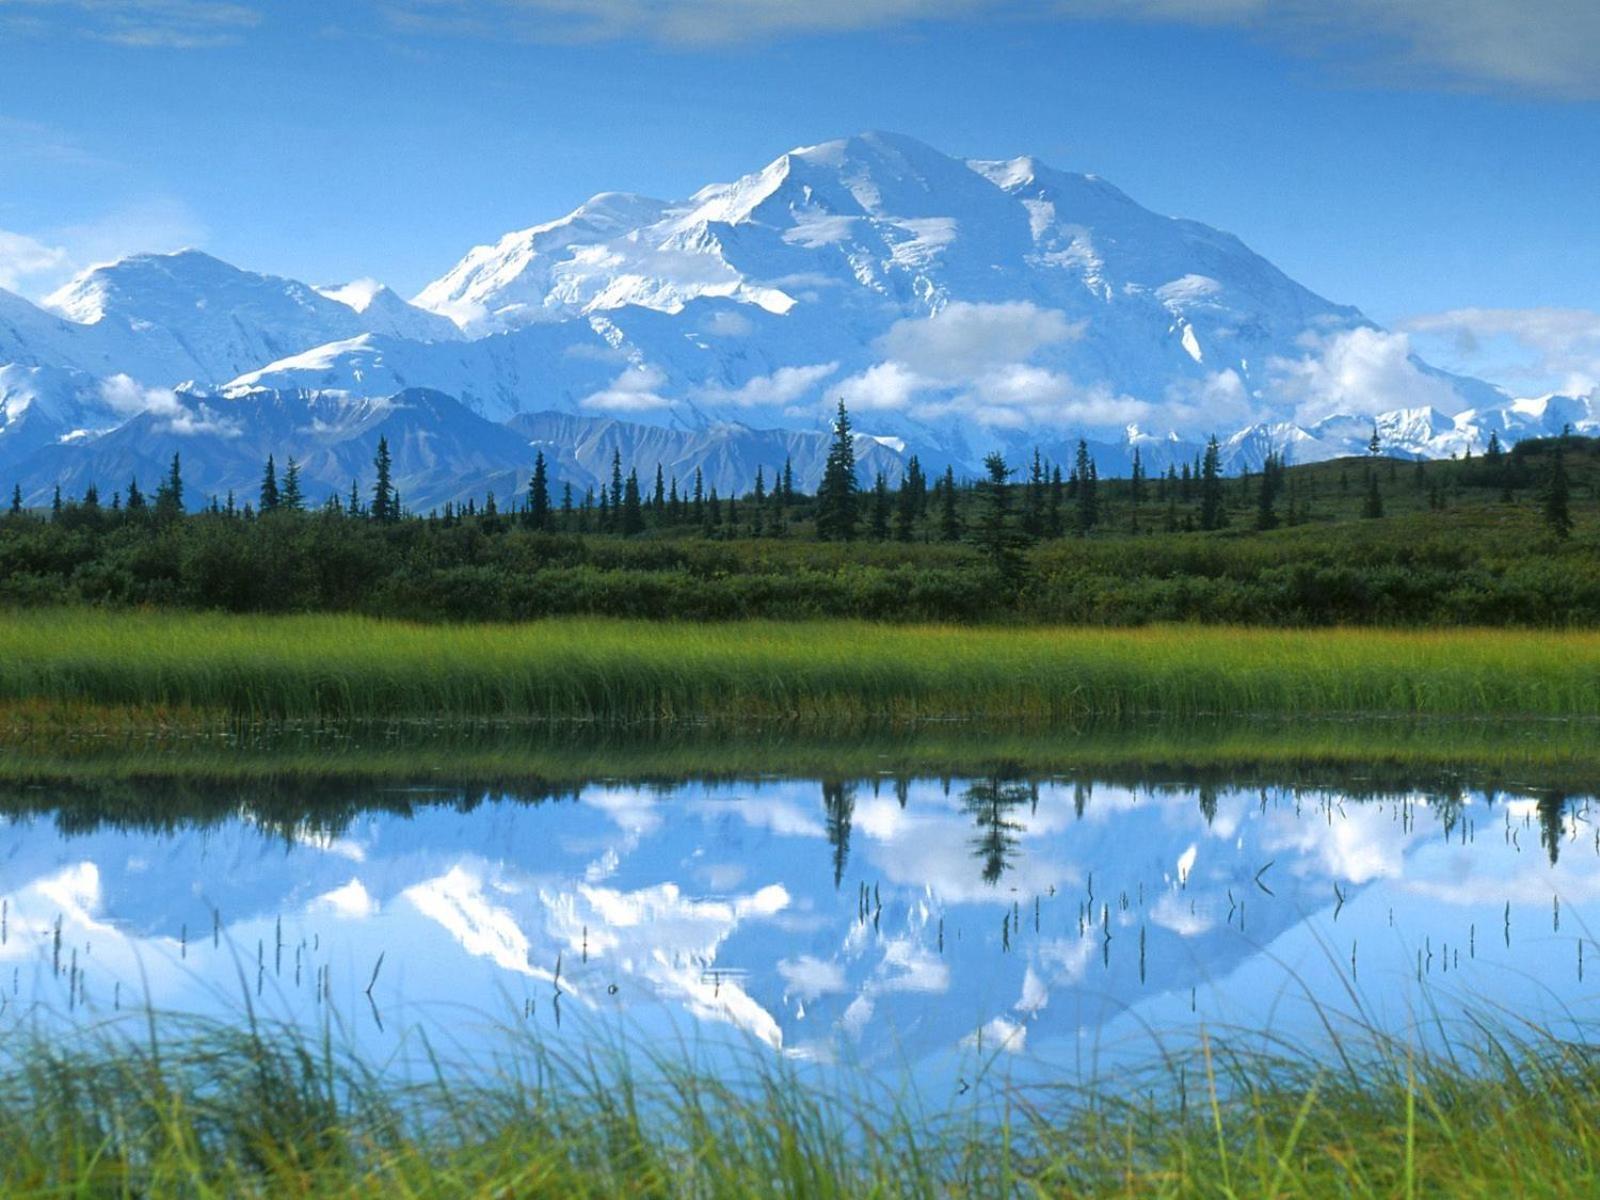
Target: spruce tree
{"x":385,"y":504}
{"x":949,"y":518}
{"x":135,"y":496}
{"x":566,"y":508}
{"x":993,"y":533}
{"x":836,"y":496}
{"x":1557,"y":493}
{"x":1372,"y":505}
{"x":632,"y":511}
{"x":289,"y":497}
{"x":758,"y":518}
{"x":1212,"y":515}
{"x":880,"y":508}
{"x":268,"y":500}
{"x":788,"y":480}
{"x":539,"y":494}
{"x":1088,"y":509}
{"x":1267,"y":497}
{"x":905,"y":508}
{"x":55,"y":503}
{"x":658,"y":501}
{"x":616,"y":481}
{"x":16,"y":500}
{"x":169,"y":496}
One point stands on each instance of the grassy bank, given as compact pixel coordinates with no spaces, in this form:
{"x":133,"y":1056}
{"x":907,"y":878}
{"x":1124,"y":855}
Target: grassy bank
{"x":827,"y":675}
{"x":234,"y":1114}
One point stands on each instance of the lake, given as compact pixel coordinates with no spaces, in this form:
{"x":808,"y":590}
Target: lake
{"x":942,"y":928}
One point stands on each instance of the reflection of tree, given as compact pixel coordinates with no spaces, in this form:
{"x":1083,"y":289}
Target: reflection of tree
{"x":1552,"y":807}
{"x":991,"y":803}
{"x":839,"y":803}
{"x":1208,"y":802}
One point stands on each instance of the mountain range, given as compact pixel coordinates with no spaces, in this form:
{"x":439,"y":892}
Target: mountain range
{"x":955,"y":306}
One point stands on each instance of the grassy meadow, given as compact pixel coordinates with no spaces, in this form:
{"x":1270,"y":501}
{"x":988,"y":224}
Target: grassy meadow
{"x":826,"y":674}
{"x":233,"y":1112}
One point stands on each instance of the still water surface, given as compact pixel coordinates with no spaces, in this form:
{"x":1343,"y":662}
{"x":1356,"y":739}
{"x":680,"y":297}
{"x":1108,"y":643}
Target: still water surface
{"x":1041,"y":926}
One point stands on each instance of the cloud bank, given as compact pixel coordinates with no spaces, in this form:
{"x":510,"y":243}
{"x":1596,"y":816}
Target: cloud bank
{"x":1544,"y":46}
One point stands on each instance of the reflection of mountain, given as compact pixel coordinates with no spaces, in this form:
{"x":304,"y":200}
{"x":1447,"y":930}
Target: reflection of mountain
{"x":800,"y":912}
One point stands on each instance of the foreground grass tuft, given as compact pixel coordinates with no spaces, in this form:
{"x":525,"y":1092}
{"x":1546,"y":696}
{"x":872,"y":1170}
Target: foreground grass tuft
{"x":230,"y":1113}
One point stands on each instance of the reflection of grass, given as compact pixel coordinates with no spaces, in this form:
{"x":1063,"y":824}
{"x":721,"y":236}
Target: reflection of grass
{"x":1351,"y":754}
{"x":236,"y":1113}
{"x":327,"y":775}
{"x":140,"y":666}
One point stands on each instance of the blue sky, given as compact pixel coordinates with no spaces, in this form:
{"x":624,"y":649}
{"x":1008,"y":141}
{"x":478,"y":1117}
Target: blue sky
{"x":1440,"y":169}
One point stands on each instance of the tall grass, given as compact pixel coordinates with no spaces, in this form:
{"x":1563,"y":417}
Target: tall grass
{"x":820,"y":673}
{"x":227,"y":1112}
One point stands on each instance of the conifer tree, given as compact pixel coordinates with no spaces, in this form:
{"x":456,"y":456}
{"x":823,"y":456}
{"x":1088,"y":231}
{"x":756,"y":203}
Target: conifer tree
{"x":697,"y":506}
{"x":658,"y":501}
{"x":880,"y":508}
{"x":949,"y":518}
{"x":385,"y":503}
{"x":566,"y":508}
{"x":1088,"y":509}
{"x":135,"y":496}
{"x":1267,"y":497}
{"x":268,"y":500}
{"x":1055,"y":520}
{"x":836,"y":496}
{"x":289,"y":497}
{"x":616,"y":481}
{"x":905,"y":508}
{"x":16,"y":499}
{"x":169,"y":496}
{"x":1372,"y":505}
{"x":1033,"y":514}
{"x":539,"y":493}
{"x":632,"y":512}
{"x":55,"y":503}
{"x":758,"y":518}
{"x":993,"y":532}
{"x":353,"y":505}
{"x":1557,"y":493}
{"x":788,"y":480}
{"x":1136,"y":478}
{"x":1212,"y":515}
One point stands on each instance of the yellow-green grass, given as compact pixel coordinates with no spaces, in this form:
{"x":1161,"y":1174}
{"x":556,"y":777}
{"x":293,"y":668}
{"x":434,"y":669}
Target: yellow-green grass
{"x":822,"y":674}
{"x":232,"y":1113}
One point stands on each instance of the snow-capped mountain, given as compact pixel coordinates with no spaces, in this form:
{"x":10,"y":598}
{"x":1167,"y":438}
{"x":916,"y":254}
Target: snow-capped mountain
{"x":956,"y":306}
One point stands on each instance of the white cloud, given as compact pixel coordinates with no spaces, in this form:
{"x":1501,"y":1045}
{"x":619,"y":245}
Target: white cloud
{"x":974,"y":361}
{"x":24,"y":259}
{"x":142,"y":24}
{"x":1356,"y":372}
{"x":636,"y":389}
{"x":784,"y":386}
{"x":885,"y":387}
{"x":727,"y":323}
{"x":1546,"y":46}
{"x":127,"y":398}
{"x":1537,"y":350}
{"x":965,"y":339}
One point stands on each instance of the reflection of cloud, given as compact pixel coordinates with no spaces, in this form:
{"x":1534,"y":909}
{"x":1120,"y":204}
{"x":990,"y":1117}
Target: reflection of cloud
{"x":807,"y":977}
{"x":1361,"y":846}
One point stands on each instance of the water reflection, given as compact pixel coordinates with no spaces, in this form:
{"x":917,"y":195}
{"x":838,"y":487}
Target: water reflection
{"x":887,"y":921}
